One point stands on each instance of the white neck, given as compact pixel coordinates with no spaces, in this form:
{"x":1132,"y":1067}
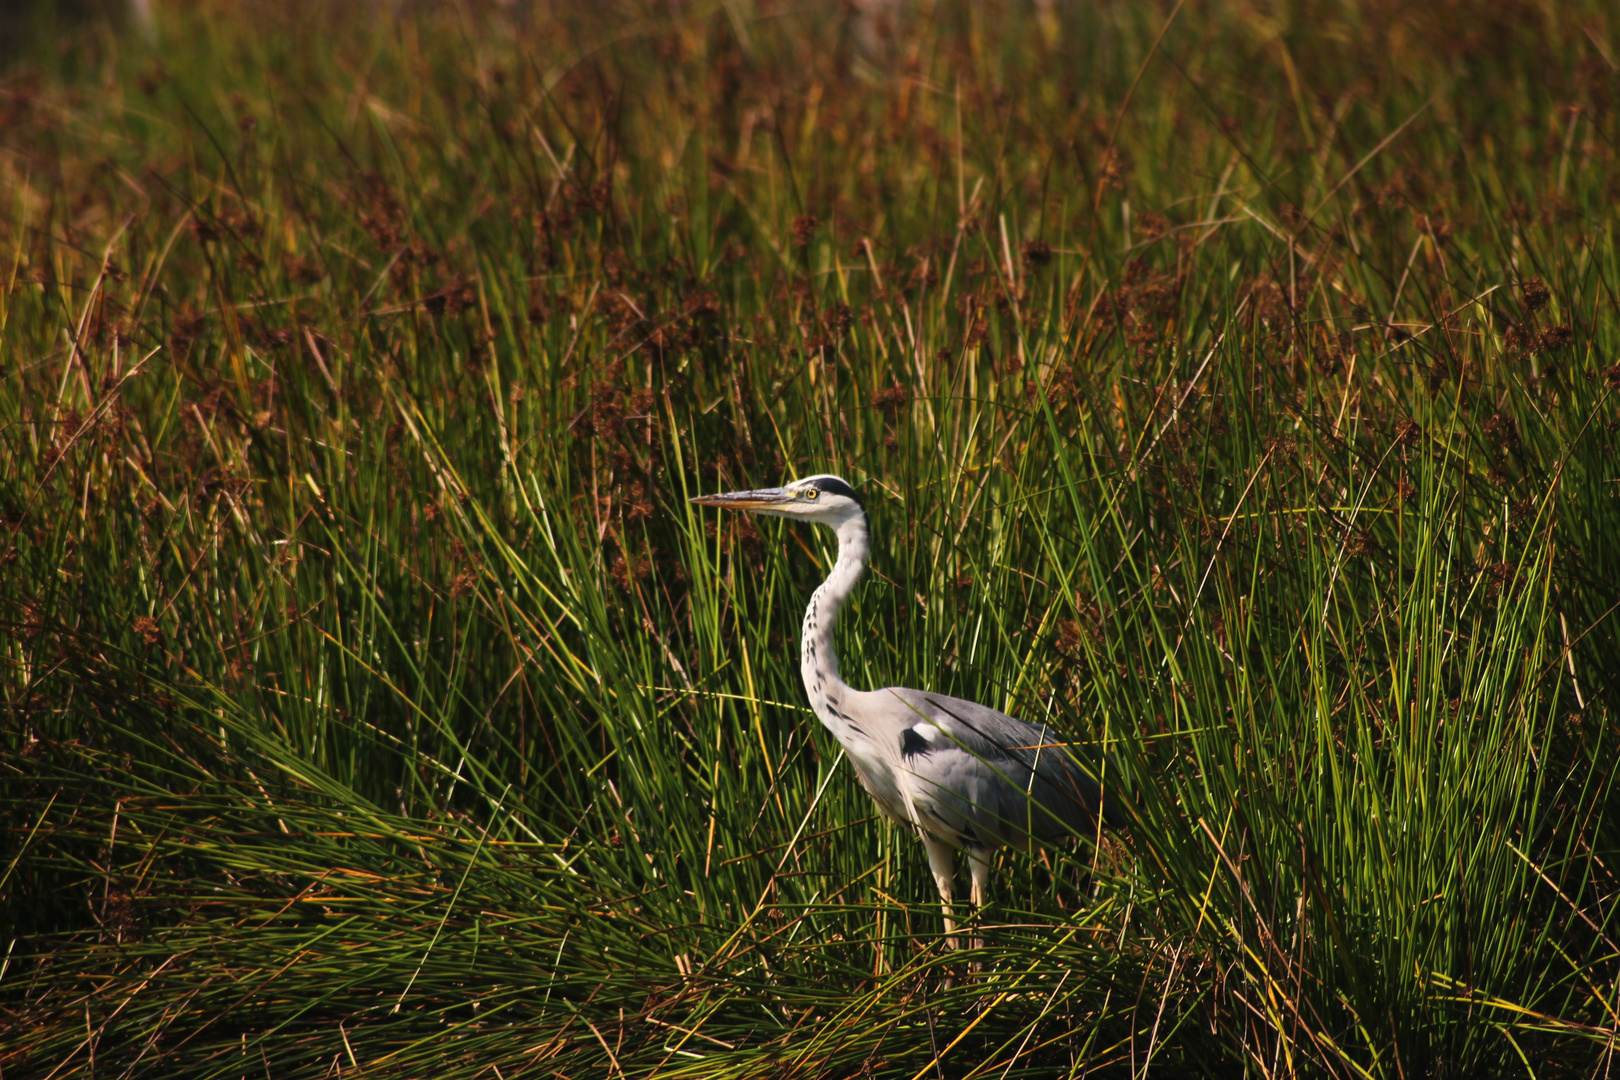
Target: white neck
{"x":818,"y":661}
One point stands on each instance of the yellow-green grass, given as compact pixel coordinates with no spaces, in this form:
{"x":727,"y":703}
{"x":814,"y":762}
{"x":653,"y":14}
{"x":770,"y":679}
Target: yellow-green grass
{"x":1231,"y":386}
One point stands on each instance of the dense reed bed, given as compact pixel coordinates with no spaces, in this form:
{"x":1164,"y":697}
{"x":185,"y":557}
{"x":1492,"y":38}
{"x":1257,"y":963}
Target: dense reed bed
{"x":1232,"y":386}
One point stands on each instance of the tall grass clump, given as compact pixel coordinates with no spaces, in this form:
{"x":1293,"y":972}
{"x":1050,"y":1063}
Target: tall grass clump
{"x":1232,"y":387}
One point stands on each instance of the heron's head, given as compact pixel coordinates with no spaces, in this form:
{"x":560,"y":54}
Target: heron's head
{"x":824,"y":499}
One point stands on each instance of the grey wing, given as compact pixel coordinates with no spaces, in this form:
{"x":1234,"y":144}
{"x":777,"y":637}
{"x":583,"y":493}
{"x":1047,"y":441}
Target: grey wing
{"x":990,"y":777}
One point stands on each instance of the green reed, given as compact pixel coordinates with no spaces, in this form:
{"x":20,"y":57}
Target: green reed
{"x":1234,"y":391}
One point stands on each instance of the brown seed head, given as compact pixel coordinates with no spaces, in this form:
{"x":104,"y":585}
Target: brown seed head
{"x":303,"y":271}
{"x":891,"y":400}
{"x":1535,"y":294}
{"x":147,"y":628}
{"x":804,"y":229}
{"x":1070,"y":636}
{"x":1556,"y":337}
{"x":1037,"y":253}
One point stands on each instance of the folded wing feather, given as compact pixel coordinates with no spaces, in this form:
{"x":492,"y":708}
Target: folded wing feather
{"x":981,"y":778}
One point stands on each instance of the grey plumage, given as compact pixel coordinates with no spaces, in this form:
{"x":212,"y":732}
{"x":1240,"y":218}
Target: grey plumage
{"x":979,"y":778}
{"x":963,"y":775}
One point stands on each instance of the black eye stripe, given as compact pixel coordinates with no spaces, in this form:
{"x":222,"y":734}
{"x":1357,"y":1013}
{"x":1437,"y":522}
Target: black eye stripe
{"x":834,"y":486}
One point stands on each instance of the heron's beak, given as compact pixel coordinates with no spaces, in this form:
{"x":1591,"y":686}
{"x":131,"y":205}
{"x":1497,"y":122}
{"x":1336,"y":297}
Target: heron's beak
{"x":763,"y":499}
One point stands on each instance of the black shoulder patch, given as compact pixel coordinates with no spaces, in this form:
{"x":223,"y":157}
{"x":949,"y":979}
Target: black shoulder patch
{"x":834,"y":486}
{"x":912,"y":744}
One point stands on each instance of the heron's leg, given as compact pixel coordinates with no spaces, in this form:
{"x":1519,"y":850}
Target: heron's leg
{"x":979,"y":864}
{"x":939,"y":861}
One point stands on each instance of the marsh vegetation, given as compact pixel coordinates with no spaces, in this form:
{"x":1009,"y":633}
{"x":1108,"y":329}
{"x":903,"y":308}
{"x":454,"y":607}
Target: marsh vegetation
{"x":1232,"y":386}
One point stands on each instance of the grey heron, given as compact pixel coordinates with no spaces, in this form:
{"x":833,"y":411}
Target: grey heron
{"x":963,"y":775}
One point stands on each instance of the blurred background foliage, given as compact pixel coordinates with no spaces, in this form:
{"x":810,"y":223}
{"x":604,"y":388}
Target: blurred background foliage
{"x":1231,"y":385}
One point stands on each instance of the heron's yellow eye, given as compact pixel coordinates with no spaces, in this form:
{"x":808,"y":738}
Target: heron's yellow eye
{"x":809,"y":493}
